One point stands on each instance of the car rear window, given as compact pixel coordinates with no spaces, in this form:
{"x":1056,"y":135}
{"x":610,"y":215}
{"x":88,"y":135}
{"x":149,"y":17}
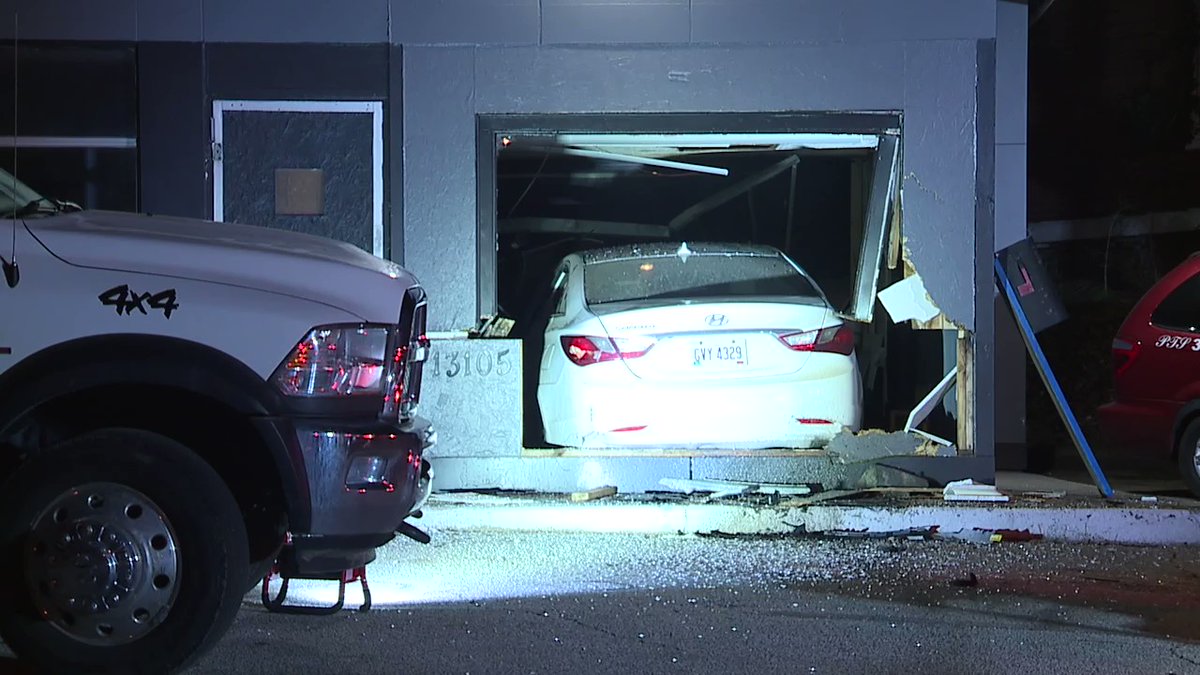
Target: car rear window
{"x":1180,"y":310}
{"x":700,"y":276}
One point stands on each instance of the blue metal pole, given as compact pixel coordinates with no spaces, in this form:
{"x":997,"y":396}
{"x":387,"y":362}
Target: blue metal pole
{"x":1060,"y":400}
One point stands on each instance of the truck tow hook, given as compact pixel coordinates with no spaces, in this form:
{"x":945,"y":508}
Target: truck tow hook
{"x":413,"y":532}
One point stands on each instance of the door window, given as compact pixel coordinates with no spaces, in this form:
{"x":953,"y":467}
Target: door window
{"x":1180,"y":310}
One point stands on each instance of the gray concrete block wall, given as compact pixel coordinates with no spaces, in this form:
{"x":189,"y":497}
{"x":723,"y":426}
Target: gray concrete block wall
{"x":441,"y":22}
{"x":709,"y":79}
{"x":615,"y":21}
{"x":271,"y":21}
{"x":983,"y":402}
{"x":854,"y":67}
{"x":934,"y":84}
{"x":439,"y":188}
{"x":445,"y":88}
{"x":790,"y":21}
{"x":938,"y":164}
{"x":69,"y":20}
{"x":481,"y":22}
{"x":1012,"y":63}
{"x":361,"y":21}
{"x":462,"y":58}
{"x":170,"y":20}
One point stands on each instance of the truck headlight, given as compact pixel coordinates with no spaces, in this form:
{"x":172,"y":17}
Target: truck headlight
{"x":336,"y":361}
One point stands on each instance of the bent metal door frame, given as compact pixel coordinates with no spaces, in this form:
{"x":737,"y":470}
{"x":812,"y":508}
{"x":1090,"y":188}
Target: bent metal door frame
{"x":374,"y":108}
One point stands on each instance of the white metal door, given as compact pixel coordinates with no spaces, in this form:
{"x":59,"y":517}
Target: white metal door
{"x":306,"y":166}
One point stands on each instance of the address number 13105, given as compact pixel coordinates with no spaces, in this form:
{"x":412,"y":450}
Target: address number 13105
{"x":466,"y":363}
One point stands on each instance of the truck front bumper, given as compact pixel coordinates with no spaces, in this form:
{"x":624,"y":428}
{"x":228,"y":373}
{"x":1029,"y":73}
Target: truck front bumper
{"x":363,"y":482}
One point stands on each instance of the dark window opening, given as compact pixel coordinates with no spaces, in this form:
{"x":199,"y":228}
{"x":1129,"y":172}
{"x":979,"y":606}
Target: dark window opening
{"x":1180,"y":310}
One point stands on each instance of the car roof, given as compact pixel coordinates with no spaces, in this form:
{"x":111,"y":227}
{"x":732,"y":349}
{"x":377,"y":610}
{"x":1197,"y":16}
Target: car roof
{"x":667,"y":248}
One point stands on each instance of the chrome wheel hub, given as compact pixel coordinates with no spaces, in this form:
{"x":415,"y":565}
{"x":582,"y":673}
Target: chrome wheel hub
{"x":102,"y":564}
{"x":1196,"y":457}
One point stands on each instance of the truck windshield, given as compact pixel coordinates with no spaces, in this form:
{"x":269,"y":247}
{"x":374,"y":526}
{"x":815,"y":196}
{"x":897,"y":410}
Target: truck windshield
{"x":14,"y":195}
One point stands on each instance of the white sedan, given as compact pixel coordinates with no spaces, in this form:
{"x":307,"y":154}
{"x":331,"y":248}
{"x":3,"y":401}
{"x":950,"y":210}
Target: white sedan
{"x":694,"y":346}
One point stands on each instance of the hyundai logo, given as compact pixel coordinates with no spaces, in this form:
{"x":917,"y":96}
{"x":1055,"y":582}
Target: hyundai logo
{"x":715,"y":320}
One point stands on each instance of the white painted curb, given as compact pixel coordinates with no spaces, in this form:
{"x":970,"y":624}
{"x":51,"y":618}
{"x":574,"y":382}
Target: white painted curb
{"x":1115,"y":524}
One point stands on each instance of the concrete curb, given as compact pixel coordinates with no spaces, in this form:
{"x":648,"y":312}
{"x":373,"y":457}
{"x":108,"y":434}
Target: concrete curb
{"x":1108,"y":523}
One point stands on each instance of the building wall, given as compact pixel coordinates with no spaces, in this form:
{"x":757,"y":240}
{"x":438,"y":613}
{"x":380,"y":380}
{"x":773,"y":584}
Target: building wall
{"x":448,"y":22}
{"x":1012,"y":67}
{"x":438,"y":64}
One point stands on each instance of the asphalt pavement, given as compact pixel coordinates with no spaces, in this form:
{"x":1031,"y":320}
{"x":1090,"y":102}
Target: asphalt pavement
{"x":659,"y":585}
{"x":520,"y":602}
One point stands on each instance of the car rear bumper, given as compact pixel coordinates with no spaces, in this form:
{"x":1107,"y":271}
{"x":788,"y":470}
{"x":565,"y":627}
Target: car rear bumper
{"x":783,"y":413}
{"x":1145,"y":427}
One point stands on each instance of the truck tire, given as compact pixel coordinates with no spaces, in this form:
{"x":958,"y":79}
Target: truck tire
{"x":126,"y":552}
{"x":1189,"y":456}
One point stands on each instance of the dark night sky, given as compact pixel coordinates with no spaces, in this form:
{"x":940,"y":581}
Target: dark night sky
{"x":1113,"y":107}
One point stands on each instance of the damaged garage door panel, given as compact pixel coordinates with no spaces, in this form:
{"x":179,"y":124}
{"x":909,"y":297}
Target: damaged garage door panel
{"x":875,"y":228}
{"x":655,"y":144}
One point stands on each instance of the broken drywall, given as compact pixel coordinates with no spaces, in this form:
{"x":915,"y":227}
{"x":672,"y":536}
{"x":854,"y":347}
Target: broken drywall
{"x":850,"y":447}
{"x":907,"y":300}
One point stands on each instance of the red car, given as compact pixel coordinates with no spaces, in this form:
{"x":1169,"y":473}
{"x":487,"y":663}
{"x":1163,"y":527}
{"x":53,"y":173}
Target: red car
{"x":1157,"y":373}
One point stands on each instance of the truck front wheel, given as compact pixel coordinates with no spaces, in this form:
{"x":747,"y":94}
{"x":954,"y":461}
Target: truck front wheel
{"x":120,"y":551}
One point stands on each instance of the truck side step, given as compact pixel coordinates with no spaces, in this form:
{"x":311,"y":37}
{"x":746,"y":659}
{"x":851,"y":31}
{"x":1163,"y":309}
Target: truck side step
{"x":276,"y":604}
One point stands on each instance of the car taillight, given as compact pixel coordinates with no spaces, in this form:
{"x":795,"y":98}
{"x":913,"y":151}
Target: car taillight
{"x":585,"y":350}
{"x":835,"y":339}
{"x":1124,"y":354}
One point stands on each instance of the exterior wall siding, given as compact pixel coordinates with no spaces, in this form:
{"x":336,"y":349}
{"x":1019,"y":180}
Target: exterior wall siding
{"x":953,"y":70}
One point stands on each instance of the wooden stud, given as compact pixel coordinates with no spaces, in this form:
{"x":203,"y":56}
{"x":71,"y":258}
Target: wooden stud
{"x":594,"y":493}
{"x":964,"y":389}
{"x":895,"y":239}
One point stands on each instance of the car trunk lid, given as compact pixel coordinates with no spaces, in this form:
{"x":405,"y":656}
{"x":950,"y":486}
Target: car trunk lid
{"x":699,"y":341}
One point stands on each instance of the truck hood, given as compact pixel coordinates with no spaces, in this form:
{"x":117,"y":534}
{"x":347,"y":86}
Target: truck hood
{"x":298,"y":265}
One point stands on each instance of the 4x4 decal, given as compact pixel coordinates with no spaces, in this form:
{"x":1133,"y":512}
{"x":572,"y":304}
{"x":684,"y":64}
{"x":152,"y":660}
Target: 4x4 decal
{"x":127,"y":301}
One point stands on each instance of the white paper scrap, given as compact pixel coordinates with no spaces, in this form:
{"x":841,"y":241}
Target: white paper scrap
{"x":967,"y":490}
{"x":907,"y":299}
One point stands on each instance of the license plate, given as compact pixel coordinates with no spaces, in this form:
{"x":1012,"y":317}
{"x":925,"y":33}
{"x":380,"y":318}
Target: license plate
{"x":729,"y":353}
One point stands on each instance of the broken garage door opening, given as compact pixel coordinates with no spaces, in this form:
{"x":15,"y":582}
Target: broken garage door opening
{"x":679,"y":290}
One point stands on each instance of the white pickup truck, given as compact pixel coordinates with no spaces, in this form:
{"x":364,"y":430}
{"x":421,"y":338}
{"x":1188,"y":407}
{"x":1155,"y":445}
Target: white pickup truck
{"x":178,"y":398}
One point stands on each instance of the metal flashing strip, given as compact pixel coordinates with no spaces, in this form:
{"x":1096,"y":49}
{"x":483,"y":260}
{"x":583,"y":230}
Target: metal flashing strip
{"x":80,"y":142}
{"x":781,"y":141}
{"x":881,"y":201}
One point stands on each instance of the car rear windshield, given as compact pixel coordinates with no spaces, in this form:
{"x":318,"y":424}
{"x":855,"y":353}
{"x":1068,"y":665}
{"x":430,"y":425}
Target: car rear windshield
{"x":1180,"y":310}
{"x":697,"y":276}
